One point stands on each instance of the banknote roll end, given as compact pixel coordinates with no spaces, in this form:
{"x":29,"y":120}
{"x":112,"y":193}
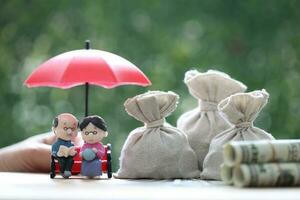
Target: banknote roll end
{"x":239,"y":177}
{"x":226,"y":174}
{"x":229,"y":155}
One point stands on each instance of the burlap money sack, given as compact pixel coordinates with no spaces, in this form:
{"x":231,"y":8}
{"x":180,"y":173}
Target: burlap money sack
{"x":156,"y":150}
{"x":241,"y":110}
{"x":205,"y":121}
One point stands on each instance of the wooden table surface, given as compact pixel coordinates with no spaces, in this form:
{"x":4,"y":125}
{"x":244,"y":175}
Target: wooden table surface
{"x":40,"y":186}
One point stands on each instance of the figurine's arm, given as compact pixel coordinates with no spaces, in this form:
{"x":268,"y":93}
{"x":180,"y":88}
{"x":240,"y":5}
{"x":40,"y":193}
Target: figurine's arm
{"x":55,"y":149}
{"x":81,"y":150}
{"x":101,"y":151}
{"x":72,"y":151}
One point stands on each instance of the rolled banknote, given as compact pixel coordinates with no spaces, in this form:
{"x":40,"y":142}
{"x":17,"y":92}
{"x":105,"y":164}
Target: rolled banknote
{"x":261,"y":151}
{"x":270,"y":174}
{"x":227,"y":174}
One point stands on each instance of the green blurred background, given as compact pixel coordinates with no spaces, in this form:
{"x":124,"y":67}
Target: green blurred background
{"x":256,"y":42}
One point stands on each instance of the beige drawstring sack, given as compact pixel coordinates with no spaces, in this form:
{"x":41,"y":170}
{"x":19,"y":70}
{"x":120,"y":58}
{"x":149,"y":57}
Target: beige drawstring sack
{"x":205,"y":121}
{"x":157,"y":150}
{"x":241,"y":110}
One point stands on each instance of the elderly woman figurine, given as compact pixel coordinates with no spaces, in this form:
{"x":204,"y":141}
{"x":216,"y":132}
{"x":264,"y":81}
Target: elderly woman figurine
{"x":93,"y":130}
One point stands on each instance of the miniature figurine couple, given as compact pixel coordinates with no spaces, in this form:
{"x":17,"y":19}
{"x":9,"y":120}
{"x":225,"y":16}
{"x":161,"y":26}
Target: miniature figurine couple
{"x":93,"y":130}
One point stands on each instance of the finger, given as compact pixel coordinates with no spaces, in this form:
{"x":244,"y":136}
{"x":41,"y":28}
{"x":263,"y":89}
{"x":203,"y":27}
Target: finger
{"x":49,"y":138}
{"x":8,"y":160}
{"x":46,"y":138}
{"x":38,"y":158}
{"x":23,"y":158}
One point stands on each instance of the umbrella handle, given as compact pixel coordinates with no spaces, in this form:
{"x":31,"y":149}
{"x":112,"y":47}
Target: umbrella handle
{"x":86,"y":99}
{"x":87,"y":44}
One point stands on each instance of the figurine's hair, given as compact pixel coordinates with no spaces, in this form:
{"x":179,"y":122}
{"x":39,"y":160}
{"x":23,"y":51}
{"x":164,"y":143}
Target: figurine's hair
{"x":95,"y":120}
{"x":55,"y":122}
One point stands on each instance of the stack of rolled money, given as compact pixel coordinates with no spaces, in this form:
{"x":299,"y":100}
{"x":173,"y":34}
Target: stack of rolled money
{"x":262,"y":163}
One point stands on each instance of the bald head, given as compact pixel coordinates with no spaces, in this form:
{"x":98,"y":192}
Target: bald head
{"x":65,"y":126}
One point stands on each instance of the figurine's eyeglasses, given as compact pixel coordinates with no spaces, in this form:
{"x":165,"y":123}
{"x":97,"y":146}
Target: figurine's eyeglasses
{"x":93,"y":132}
{"x":66,"y":128}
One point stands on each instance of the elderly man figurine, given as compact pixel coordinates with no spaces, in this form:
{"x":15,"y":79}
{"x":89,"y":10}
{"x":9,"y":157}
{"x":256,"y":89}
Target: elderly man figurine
{"x":65,"y":128}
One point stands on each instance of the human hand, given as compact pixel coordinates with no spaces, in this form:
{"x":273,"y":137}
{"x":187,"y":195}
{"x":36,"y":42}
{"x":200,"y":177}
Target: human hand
{"x":30,"y":155}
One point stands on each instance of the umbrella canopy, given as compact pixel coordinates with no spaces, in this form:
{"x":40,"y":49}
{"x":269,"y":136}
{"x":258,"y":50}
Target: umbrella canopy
{"x":84,"y":67}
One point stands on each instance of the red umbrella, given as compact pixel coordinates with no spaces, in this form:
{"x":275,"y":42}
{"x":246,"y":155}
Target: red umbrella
{"x":84,"y":67}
